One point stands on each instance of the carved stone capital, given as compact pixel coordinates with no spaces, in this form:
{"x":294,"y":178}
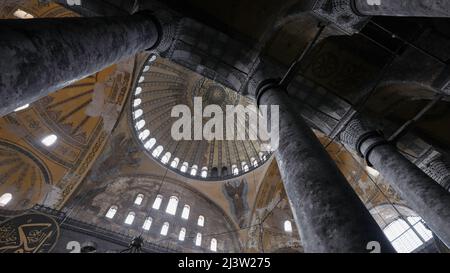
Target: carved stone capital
{"x":438,"y":168}
{"x":356,"y":131}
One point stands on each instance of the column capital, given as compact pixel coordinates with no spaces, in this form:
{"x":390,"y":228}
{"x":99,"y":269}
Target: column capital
{"x":361,"y":136}
{"x":168,"y":23}
{"x":438,"y":168}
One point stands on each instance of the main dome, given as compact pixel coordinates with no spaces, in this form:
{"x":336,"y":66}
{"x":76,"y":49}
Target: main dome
{"x":162,"y":85}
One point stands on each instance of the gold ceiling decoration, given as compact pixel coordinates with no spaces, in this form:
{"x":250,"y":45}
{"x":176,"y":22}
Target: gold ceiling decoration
{"x":161,"y":85}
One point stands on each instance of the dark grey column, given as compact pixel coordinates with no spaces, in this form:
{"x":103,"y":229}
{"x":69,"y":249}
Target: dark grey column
{"x":426,"y":197}
{"x":419,"y":8}
{"x":329,"y":215}
{"x":40,"y":56}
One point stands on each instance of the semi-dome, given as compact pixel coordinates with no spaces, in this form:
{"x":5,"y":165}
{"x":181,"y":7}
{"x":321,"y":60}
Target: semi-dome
{"x":162,"y":85}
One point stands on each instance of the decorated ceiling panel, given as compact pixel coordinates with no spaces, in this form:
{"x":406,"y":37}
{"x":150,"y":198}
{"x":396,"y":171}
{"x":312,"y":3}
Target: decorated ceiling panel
{"x":47,"y":147}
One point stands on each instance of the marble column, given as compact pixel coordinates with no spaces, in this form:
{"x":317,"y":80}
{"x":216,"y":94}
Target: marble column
{"x":413,"y":8}
{"x":329,"y":215}
{"x":40,"y":56}
{"x":426,"y":197}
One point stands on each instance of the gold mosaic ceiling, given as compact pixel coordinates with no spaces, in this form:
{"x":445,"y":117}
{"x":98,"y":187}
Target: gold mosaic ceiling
{"x":162,"y":85}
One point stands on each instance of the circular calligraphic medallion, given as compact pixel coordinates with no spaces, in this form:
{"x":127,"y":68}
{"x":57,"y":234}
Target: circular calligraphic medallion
{"x":28,"y":233}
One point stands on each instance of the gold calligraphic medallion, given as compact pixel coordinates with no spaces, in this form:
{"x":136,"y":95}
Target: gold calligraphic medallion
{"x":28,"y":233}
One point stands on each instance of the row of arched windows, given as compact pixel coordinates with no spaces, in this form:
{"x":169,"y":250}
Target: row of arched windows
{"x":170,"y":209}
{"x":194,"y":170}
{"x":165,"y":227}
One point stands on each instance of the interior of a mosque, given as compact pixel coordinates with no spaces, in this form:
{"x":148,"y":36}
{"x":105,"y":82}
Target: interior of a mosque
{"x":93,"y":165}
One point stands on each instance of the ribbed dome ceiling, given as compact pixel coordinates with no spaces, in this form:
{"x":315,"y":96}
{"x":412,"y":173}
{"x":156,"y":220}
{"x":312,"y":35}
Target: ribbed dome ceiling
{"x":161,"y":86}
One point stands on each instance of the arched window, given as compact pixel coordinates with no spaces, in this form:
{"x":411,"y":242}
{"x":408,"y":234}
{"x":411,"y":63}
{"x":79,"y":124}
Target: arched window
{"x":130,"y":218}
{"x":166,"y":158}
{"x":164,"y":229}
{"x":147,"y":223}
{"x":254,"y":162}
{"x":235,"y":170}
{"x":194,"y":170}
{"x":198,"y":239}
{"x":137,"y":102}
{"x":372,"y":171}
{"x":175,"y":162}
{"x":138,"y":113}
{"x":22,"y":14}
{"x":182,"y":234}
{"x":244,"y":166}
{"x":260,"y":155}
{"x":23,"y":107}
{"x":214,"y":172}
{"x":111,"y":212}
{"x":5,"y":199}
{"x":144,"y":134}
{"x":224,"y":171}
{"x":184,"y":167}
{"x":138,"y":91}
{"x":140,"y":124}
{"x":49,"y":140}
{"x":406,"y":238}
{"x":138,"y":200}
{"x":185,"y":212}
{"x":152,"y":58}
{"x":287,"y":226}
{"x":172,"y":205}
{"x":201,"y":221}
{"x":157,"y":202}
{"x":149,"y":144}
{"x":157,"y":151}
{"x":204,"y":172}
{"x":213,"y":246}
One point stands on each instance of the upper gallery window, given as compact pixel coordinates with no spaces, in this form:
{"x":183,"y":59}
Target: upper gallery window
{"x":130,"y":218}
{"x":201,"y":221}
{"x":198,"y":239}
{"x":405,"y":236}
{"x":111,"y":212}
{"x":172,"y":205}
{"x":5,"y":199}
{"x":165,"y":229}
{"x":213,"y":246}
{"x":138,"y":200}
{"x":157,"y":202}
{"x":49,"y":140}
{"x":182,"y":234}
{"x":22,"y":14}
{"x":147,"y":223}
{"x":287,"y":226}
{"x":23,"y":107}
